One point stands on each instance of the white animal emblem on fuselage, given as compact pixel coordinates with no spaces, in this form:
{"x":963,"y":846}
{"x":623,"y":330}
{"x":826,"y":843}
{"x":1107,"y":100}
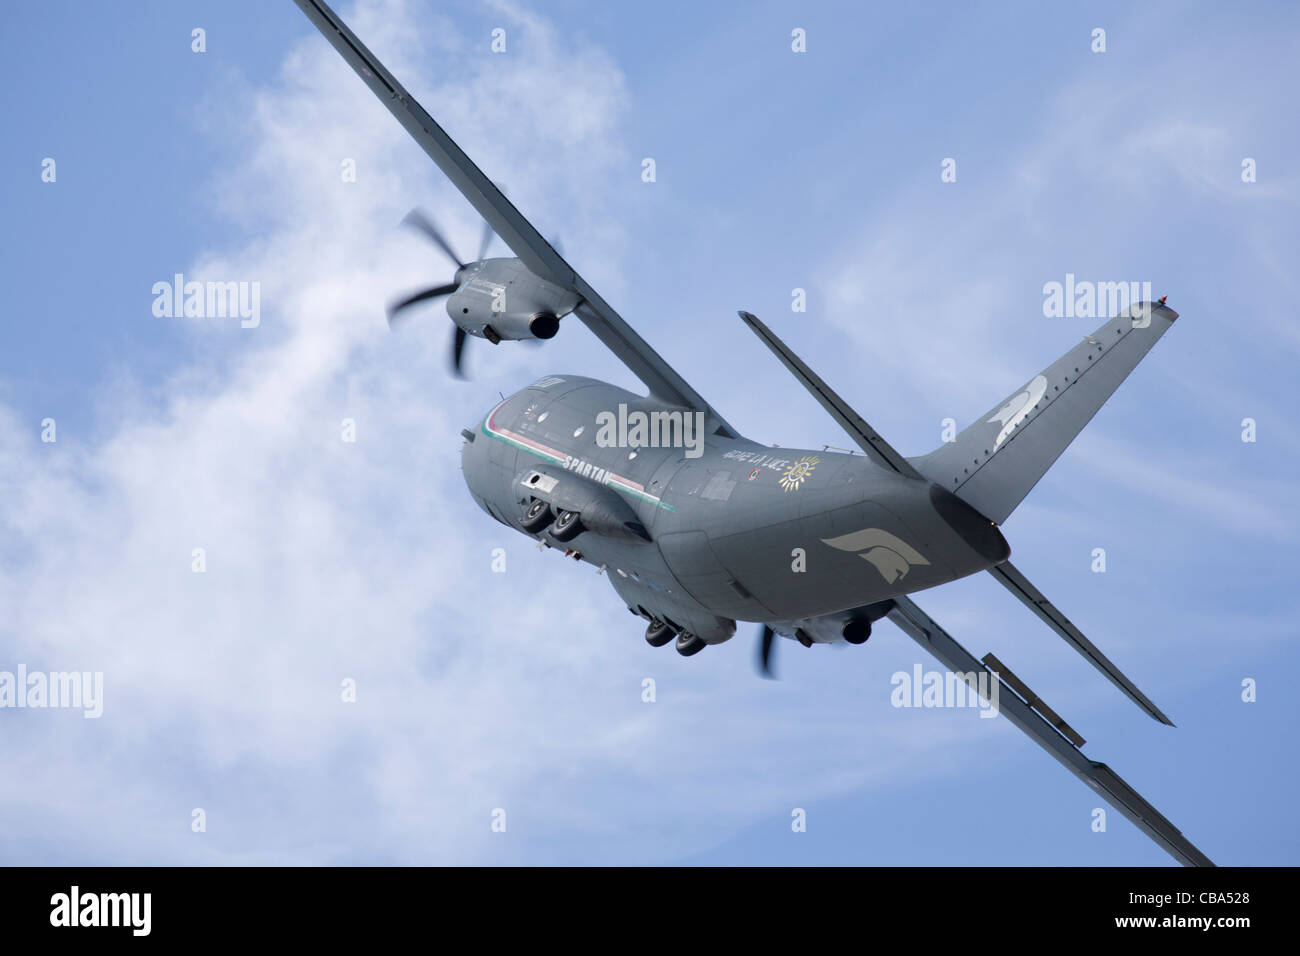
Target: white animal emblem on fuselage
{"x":1017,"y":407}
{"x":892,"y":556}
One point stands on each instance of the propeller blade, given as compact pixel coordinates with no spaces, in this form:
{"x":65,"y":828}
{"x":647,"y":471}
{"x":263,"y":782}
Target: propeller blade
{"x":420,"y":297}
{"x":765,"y":653}
{"x":417,"y":220}
{"x":457,"y":349}
{"x":485,"y":241}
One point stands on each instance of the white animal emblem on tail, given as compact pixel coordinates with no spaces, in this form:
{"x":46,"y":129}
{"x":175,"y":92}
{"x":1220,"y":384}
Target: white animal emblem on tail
{"x":1017,"y":407}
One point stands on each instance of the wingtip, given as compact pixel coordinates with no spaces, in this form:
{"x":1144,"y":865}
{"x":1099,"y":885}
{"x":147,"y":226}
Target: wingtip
{"x":1155,"y":712}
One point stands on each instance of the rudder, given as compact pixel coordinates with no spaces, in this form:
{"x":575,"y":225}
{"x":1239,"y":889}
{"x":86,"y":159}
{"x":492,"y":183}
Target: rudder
{"x":995,"y":462}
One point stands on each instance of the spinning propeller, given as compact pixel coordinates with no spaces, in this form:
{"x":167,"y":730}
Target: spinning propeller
{"x":766,"y":639}
{"x":418,"y":220}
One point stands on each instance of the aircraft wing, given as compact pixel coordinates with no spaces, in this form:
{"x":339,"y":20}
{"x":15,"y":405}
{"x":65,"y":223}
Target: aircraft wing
{"x":506,"y":221}
{"x":1027,"y":713}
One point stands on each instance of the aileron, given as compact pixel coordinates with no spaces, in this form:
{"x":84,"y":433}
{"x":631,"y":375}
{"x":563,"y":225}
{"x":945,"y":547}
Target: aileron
{"x":922,"y":628}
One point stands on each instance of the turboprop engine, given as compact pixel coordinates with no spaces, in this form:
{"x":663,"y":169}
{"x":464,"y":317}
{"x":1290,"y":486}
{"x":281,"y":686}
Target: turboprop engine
{"x":500,"y":300}
{"x":494,"y":299}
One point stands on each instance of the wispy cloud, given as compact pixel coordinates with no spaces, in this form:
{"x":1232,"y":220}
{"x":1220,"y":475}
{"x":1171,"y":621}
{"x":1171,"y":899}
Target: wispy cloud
{"x":326,"y":560}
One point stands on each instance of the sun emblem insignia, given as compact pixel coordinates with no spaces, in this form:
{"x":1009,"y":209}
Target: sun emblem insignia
{"x":794,"y":475}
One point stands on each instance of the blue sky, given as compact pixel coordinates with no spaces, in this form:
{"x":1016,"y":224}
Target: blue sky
{"x":479,"y":690}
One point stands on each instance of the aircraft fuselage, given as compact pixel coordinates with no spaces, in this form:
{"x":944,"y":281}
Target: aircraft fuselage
{"x":725,"y":529}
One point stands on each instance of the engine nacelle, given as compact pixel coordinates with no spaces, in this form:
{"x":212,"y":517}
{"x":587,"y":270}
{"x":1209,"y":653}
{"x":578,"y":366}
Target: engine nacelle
{"x":499,"y":299}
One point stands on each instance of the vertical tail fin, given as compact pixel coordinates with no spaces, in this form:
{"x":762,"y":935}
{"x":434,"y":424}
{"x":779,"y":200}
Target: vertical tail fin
{"x":993,"y":464}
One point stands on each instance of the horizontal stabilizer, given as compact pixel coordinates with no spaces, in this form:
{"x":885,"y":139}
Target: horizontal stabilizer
{"x":866,"y":437}
{"x":1019,"y":585}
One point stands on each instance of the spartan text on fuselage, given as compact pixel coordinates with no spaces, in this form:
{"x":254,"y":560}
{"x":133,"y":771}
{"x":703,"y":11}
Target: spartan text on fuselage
{"x":586,"y":469}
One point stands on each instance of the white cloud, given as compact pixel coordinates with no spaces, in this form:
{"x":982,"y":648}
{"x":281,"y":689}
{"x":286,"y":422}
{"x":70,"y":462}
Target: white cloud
{"x":327,"y":560}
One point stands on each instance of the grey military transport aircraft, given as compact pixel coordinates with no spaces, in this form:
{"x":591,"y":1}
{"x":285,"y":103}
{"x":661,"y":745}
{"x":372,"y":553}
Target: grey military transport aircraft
{"x":700,"y":528}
